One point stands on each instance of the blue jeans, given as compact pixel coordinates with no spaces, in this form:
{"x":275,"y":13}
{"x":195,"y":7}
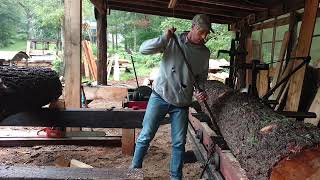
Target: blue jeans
{"x":156,"y":110}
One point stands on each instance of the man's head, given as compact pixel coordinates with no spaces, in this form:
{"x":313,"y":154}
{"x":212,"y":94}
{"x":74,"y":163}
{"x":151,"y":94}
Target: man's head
{"x":201,"y":27}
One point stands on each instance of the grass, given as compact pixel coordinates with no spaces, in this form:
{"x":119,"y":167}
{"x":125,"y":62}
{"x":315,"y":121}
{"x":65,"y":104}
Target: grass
{"x":19,"y":45}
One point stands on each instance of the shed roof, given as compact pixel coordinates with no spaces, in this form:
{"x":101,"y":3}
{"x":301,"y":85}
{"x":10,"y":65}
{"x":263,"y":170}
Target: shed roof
{"x":220,"y":11}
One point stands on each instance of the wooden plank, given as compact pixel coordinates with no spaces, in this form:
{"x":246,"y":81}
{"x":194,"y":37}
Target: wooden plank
{"x":116,"y":69}
{"x":88,"y":59}
{"x":46,"y":172}
{"x":80,"y":141}
{"x":94,"y":118}
{"x":263,"y":82}
{"x":106,"y":93}
{"x":92,"y":59}
{"x":72,"y":34}
{"x":128,"y":141}
{"x":303,"y":49}
{"x":78,"y":164}
{"x":110,"y":62}
{"x":278,"y":69}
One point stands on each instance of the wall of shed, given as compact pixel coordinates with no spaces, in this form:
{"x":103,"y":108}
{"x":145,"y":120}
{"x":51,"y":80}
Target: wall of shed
{"x":265,"y":52}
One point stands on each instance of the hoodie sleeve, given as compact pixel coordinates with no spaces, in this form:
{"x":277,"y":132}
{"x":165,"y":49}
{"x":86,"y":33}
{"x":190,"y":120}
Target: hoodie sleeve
{"x":153,"y":46}
{"x":204,"y":74}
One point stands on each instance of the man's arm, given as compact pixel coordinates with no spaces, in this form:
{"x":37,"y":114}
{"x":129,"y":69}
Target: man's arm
{"x":157,"y":45}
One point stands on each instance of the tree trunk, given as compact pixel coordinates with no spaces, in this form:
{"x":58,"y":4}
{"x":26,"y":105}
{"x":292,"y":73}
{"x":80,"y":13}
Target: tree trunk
{"x":27,"y":88}
{"x":267,"y":145}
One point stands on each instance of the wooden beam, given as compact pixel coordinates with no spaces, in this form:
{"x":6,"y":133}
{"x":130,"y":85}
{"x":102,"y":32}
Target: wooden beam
{"x":47,"y":172}
{"x":101,"y":18}
{"x":279,"y":66}
{"x":186,"y":10}
{"x":79,"y":141}
{"x":303,"y":49}
{"x":100,"y":5}
{"x":128,"y":141}
{"x":72,"y":34}
{"x":72,"y":54}
{"x":94,"y":118}
{"x":178,"y":14}
{"x":180,"y":8}
{"x":233,"y":4}
{"x":172,"y":4}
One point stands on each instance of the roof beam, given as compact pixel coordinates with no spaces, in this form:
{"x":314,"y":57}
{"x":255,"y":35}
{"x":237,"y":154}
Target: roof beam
{"x":184,"y":9}
{"x":233,"y":4}
{"x":170,"y":14}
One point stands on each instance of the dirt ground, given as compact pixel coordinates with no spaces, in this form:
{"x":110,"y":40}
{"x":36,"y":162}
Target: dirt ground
{"x":156,"y":163}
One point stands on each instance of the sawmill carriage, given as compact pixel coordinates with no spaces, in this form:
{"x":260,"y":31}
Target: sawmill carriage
{"x":254,"y":124}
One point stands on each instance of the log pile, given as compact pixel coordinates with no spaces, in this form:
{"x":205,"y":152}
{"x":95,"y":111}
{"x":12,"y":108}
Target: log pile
{"x":24,"y":89}
{"x":267,"y":145}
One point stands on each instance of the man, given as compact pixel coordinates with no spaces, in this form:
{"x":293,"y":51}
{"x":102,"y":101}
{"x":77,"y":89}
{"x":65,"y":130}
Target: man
{"x":173,"y":89}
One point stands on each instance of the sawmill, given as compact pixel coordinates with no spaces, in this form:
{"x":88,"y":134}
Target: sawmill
{"x":261,"y":122}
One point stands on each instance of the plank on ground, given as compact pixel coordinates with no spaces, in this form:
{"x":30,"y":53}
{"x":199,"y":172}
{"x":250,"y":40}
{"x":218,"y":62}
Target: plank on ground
{"x":34,"y":172}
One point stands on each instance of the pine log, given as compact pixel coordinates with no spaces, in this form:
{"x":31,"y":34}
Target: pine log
{"x":267,"y":145}
{"x":24,"y":88}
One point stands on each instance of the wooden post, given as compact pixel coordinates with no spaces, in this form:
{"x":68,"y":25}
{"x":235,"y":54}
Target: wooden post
{"x":72,"y":53}
{"x":303,"y":49}
{"x":101,"y":17}
{"x":128,"y":141}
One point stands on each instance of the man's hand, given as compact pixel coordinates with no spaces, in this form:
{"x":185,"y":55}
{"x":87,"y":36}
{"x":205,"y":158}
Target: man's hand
{"x":170,"y":32}
{"x":201,"y":96}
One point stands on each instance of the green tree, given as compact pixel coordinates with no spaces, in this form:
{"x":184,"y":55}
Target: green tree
{"x":10,"y":22}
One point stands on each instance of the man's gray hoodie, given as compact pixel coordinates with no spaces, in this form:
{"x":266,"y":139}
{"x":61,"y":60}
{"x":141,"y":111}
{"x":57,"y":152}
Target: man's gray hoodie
{"x":174,"y":83}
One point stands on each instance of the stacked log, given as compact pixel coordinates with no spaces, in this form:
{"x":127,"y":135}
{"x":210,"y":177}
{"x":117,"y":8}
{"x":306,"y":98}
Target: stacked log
{"x":267,"y":145}
{"x":23,"y":89}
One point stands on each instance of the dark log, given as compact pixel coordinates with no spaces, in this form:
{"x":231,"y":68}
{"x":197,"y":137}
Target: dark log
{"x":23,"y":89}
{"x":267,"y":145}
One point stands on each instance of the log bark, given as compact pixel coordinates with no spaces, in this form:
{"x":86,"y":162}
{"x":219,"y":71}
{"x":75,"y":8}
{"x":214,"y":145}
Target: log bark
{"x":264,"y":142}
{"x":24,"y":89}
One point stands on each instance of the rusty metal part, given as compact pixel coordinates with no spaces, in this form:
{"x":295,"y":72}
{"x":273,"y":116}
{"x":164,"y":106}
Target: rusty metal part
{"x":213,"y":152}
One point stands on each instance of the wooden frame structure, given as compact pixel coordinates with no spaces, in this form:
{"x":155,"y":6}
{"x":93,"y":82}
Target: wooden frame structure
{"x":242,"y":16}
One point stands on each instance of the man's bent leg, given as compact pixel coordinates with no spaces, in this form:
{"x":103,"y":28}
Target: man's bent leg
{"x":179,"y":125}
{"x":156,"y":110}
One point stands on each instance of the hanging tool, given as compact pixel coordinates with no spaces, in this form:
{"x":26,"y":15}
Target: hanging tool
{"x":196,"y":85}
{"x":134,"y":69}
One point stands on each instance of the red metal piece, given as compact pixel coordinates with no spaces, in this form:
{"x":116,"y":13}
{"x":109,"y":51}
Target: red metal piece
{"x":137,"y":104}
{"x":52,"y":132}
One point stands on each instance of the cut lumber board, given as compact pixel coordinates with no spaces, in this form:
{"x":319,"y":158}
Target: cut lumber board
{"x":303,"y":49}
{"x":128,"y":141}
{"x":90,"y":58}
{"x":110,"y":62}
{"x":42,"y":172}
{"x":279,"y":66}
{"x":78,"y":164}
{"x":116,"y":69}
{"x":106,"y":92}
{"x":263,"y":82}
{"x":262,"y":137}
{"x":27,"y":88}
